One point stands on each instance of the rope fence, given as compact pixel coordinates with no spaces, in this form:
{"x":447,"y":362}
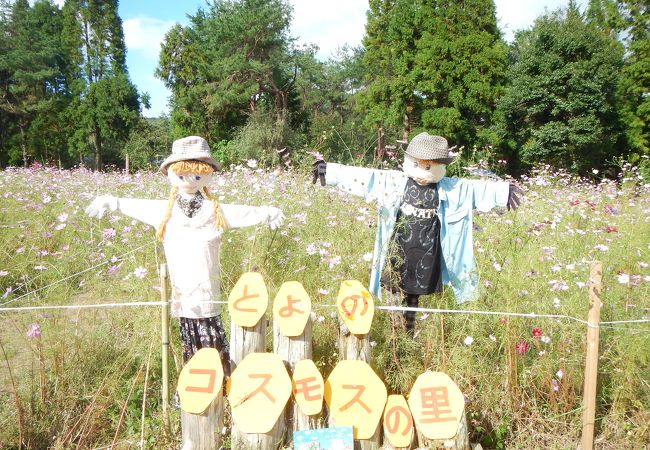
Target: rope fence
{"x":609,"y":324}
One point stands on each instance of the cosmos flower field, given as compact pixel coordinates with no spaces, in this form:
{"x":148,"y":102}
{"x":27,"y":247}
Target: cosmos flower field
{"x":91,"y":377}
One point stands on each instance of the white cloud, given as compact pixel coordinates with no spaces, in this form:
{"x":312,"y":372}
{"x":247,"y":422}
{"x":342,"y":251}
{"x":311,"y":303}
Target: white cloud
{"x":330,"y":24}
{"x":515,"y":15}
{"x":143,"y":35}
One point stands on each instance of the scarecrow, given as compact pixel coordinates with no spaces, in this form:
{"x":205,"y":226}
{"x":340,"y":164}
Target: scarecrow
{"x":424,"y":226}
{"x":190,"y":225}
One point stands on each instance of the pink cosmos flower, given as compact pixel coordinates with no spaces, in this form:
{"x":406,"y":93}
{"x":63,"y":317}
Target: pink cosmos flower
{"x":522,"y":347}
{"x":34,"y":330}
{"x":109,"y":233}
{"x":537,"y":332}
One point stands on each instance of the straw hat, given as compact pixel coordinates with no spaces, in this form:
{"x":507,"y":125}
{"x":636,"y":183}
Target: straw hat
{"x":428,"y":147}
{"x":187,"y":148}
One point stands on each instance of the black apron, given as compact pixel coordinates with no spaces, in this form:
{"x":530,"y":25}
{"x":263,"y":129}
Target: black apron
{"x":414,"y":264}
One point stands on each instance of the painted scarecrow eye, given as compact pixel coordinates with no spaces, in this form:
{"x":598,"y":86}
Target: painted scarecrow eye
{"x":180,"y":177}
{"x":427,"y":167}
{"x":415,"y":164}
{"x":197,"y":178}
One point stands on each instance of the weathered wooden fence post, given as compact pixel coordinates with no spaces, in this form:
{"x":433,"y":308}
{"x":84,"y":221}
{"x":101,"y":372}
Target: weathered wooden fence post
{"x":591,"y":364}
{"x":245,"y":340}
{"x":164,"y":341}
{"x":458,"y":442}
{"x":292,"y":350}
{"x":203,"y":431}
{"x":356,"y":346}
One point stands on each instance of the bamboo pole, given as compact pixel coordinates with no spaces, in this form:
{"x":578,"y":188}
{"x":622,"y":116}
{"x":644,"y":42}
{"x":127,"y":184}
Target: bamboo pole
{"x":591,"y":365}
{"x":165,"y":340}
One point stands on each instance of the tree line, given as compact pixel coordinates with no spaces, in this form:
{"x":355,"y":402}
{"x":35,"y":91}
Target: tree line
{"x":572,"y":91}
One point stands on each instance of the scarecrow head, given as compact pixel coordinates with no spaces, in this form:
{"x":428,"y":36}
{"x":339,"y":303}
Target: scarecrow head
{"x":426,"y":158}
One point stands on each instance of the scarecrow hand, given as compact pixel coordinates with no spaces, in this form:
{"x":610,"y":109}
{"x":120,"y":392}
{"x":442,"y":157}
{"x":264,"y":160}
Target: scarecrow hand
{"x":513,"y":200}
{"x":320,"y":168}
{"x":99,"y":206}
{"x":275,"y":218}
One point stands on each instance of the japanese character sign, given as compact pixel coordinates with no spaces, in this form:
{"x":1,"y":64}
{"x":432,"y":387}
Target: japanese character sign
{"x":356,"y":306}
{"x":308,"y":387}
{"x":200,"y":381}
{"x":291,"y":308}
{"x":437,"y":405}
{"x":355,"y":396}
{"x":398,"y":421}
{"x":248,"y":299}
{"x":259,"y":391}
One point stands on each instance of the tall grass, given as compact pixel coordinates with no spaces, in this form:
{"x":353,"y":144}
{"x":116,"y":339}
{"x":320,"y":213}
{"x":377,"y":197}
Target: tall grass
{"x":81,"y":382}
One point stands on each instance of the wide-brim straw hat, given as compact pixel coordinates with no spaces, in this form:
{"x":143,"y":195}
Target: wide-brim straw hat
{"x":432,"y":148}
{"x":189,"y":148}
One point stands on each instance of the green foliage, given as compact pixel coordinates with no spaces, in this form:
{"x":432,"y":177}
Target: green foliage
{"x":436,"y":65}
{"x":148,"y":144}
{"x":228,"y":63}
{"x":260,"y":139}
{"x":560,"y":105}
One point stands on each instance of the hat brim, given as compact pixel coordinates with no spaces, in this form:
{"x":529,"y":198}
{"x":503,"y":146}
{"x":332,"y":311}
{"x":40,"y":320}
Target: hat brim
{"x":188,"y":157}
{"x":445,"y":161}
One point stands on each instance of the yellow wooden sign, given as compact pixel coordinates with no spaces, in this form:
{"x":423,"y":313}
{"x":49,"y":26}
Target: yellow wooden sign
{"x":248,"y":300}
{"x":291,"y":308}
{"x":398,"y":421}
{"x":355,"y":306}
{"x":356,"y":397}
{"x":259,"y":392}
{"x":437,"y":405}
{"x":200,"y":381}
{"x":308,"y":387}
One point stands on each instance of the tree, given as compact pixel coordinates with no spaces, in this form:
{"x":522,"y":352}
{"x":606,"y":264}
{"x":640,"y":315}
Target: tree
{"x":390,"y":99}
{"x":634,"y":86}
{"x":434,"y":64}
{"x":30,"y":67}
{"x":560,"y":106}
{"x":107,"y":103}
{"x":227,"y":62}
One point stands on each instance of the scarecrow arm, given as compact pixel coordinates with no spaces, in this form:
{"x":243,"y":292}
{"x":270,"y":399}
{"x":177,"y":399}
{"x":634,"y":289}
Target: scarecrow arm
{"x":147,"y":211}
{"x":238,"y":216}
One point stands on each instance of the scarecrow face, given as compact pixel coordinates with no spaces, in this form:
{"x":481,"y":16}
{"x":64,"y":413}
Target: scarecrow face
{"x":423,"y":171}
{"x":189,"y":176}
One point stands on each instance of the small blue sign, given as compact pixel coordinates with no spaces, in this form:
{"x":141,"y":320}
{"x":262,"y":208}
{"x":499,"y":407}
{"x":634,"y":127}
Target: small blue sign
{"x":338,"y":438}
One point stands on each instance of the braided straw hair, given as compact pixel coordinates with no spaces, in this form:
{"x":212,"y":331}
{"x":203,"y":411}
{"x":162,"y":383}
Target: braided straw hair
{"x":191,"y":166}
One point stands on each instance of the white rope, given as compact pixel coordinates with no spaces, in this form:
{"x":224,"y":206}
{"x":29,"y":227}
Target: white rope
{"x":97,"y":305}
{"x":71,"y":276}
{"x":384,"y":308}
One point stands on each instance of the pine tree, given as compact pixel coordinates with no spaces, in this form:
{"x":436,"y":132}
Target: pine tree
{"x":227,"y":63}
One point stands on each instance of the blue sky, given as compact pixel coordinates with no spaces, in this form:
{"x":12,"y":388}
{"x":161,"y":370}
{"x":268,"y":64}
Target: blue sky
{"x":326,"y":23}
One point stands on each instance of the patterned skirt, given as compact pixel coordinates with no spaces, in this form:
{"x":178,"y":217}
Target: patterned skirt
{"x":208,"y":332}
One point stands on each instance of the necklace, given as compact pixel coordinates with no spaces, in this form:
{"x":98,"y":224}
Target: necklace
{"x":190,"y":206}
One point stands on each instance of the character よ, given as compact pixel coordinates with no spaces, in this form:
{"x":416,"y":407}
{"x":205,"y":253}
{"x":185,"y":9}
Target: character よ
{"x":190,"y":225}
{"x":424,"y":229}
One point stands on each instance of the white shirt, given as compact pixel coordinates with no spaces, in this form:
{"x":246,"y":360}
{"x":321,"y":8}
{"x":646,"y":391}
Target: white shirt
{"x":192,"y":249}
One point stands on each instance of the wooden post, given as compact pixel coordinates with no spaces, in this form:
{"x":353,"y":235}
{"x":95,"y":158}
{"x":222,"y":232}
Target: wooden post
{"x":357,"y":347}
{"x":203,"y":431}
{"x":458,"y":442}
{"x":165,"y":340}
{"x":243,"y":341}
{"x":126,"y":165}
{"x":591,"y":364}
{"x":292,"y":350}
